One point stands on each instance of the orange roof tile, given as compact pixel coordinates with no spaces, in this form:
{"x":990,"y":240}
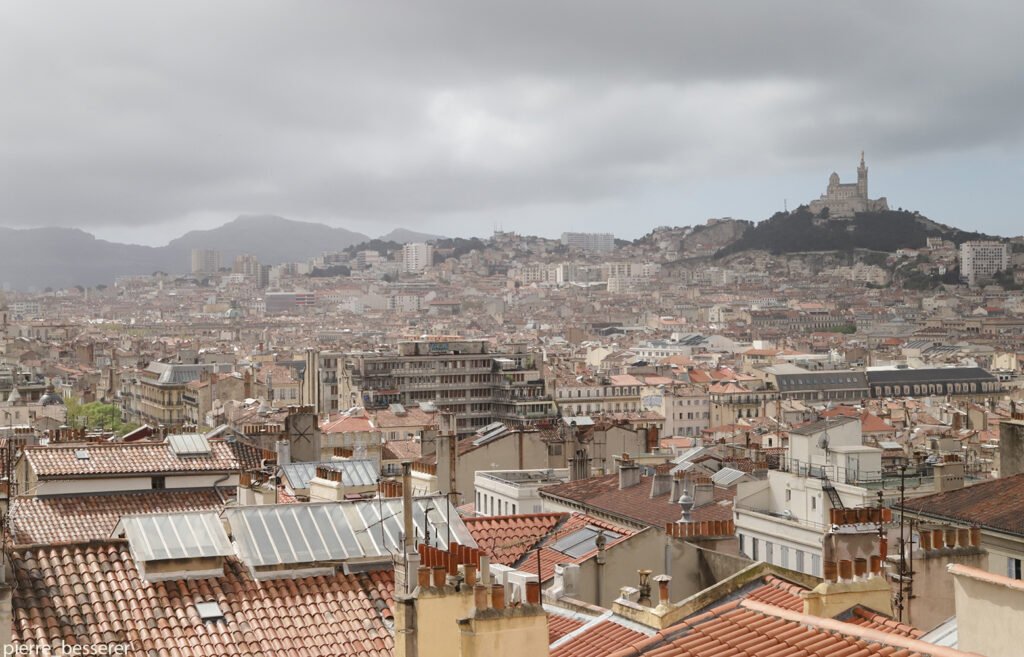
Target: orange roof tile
{"x":508,"y":538}
{"x":87,"y":517}
{"x":137,"y":458}
{"x":89,"y":593}
{"x":602,"y":638}
{"x":559,"y":626}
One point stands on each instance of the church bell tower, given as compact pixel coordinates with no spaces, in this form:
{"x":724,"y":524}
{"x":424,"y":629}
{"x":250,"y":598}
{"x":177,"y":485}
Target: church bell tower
{"x":862,"y":178}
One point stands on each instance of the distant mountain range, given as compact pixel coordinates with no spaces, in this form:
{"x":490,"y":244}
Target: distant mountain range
{"x":37,"y":258}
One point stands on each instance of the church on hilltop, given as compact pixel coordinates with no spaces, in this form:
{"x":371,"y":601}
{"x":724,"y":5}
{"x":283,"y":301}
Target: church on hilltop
{"x":847,"y":199}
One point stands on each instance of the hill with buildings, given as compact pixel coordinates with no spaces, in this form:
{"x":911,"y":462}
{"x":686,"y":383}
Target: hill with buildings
{"x":882,"y":230}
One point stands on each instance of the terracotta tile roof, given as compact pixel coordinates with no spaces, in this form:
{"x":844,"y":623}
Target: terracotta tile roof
{"x":346,"y":423}
{"x":778,"y":592}
{"x":997,"y":504}
{"x":401,"y":450}
{"x":868,"y":618}
{"x":508,"y":538}
{"x":132,"y":458}
{"x":88,"y":517}
{"x":751,"y":628}
{"x":89,"y":593}
{"x":602,"y":494}
{"x":559,"y":626}
{"x":602,"y":638}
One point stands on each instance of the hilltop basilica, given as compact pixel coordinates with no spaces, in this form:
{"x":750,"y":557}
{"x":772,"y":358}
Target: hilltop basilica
{"x":847,"y":199}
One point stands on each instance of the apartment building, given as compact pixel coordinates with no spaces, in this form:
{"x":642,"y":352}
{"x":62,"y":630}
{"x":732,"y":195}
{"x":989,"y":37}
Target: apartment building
{"x":782,"y":519}
{"x":479,"y":382}
{"x":156,"y":395}
{"x":599,"y":242}
{"x":205,"y":261}
{"x":416,"y":257}
{"x":980,"y":260}
{"x":595,"y":395}
{"x":687,"y":410}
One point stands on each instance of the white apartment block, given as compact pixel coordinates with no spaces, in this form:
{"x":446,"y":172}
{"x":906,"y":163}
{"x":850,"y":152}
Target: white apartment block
{"x":782,"y":519}
{"x":416,"y":257}
{"x":600,"y":242}
{"x":979,"y":260}
{"x":508,"y":492}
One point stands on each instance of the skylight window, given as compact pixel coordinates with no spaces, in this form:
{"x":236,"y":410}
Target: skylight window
{"x":189,"y":444}
{"x":210,"y":612}
{"x":82,"y":454}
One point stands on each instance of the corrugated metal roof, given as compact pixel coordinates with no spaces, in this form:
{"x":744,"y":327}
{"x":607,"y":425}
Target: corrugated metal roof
{"x":174,"y":535}
{"x":367,"y":530}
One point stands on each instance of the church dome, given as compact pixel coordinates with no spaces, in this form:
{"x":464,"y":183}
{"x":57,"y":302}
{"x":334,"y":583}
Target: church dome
{"x":234,"y":312}
{"x":50,"y":397}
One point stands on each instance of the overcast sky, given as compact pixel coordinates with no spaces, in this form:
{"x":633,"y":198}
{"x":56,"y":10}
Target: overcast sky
{"x":138,"y":121}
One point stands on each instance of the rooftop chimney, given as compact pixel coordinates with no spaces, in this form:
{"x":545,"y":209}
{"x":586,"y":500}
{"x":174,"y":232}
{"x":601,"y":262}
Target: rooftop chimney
{"x":661,"y":483}
{"x":629,"y":473}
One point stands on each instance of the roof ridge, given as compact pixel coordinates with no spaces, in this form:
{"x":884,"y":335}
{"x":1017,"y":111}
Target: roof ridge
{"x":854,"y":630}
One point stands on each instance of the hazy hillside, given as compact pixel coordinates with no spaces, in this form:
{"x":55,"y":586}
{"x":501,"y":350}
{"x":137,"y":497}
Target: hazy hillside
{"x":270,"y":238}
{"x":404,"y":236}
{"x":62,"y":257}
{"x":38,"y":258}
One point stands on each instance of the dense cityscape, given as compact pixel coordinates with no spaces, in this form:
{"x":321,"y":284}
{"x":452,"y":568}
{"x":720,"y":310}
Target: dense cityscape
{"x":546,"y":329}
{"x":423,"y":448}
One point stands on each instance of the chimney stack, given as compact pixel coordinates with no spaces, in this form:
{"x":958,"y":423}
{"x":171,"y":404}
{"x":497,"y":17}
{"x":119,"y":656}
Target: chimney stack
{"x":663,"y":593}
{"x":629,"y":473}
{"x":662,"y":482}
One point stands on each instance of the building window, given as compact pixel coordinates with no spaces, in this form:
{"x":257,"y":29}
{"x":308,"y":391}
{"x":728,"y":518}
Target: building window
{"x":816,"y":565}
{"x":784,"y":556}
{"x":814,"y":502}
{"x":1013,"y":568}
{"x":800,"y":560}
{"x":789,"y":495}
{"x":158,"y":483}
{"x":753,"y":549}
{"x":769,"y":552}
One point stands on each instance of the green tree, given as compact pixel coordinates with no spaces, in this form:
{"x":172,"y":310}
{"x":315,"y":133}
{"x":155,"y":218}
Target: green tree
{"x":96,"y":415}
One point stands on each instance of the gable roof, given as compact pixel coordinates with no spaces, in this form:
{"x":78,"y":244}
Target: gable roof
{"x":88,"y":517}
{"x":508,"y":538}
{"x":602,"y":494}
{"x":89,"y":593}
{"x":135,"y":458}
{"x":997,"y":504}
{"x":750,"y":627}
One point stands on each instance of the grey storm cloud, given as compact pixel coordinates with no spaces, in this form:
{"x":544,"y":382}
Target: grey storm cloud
{"x":134,"y":113}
